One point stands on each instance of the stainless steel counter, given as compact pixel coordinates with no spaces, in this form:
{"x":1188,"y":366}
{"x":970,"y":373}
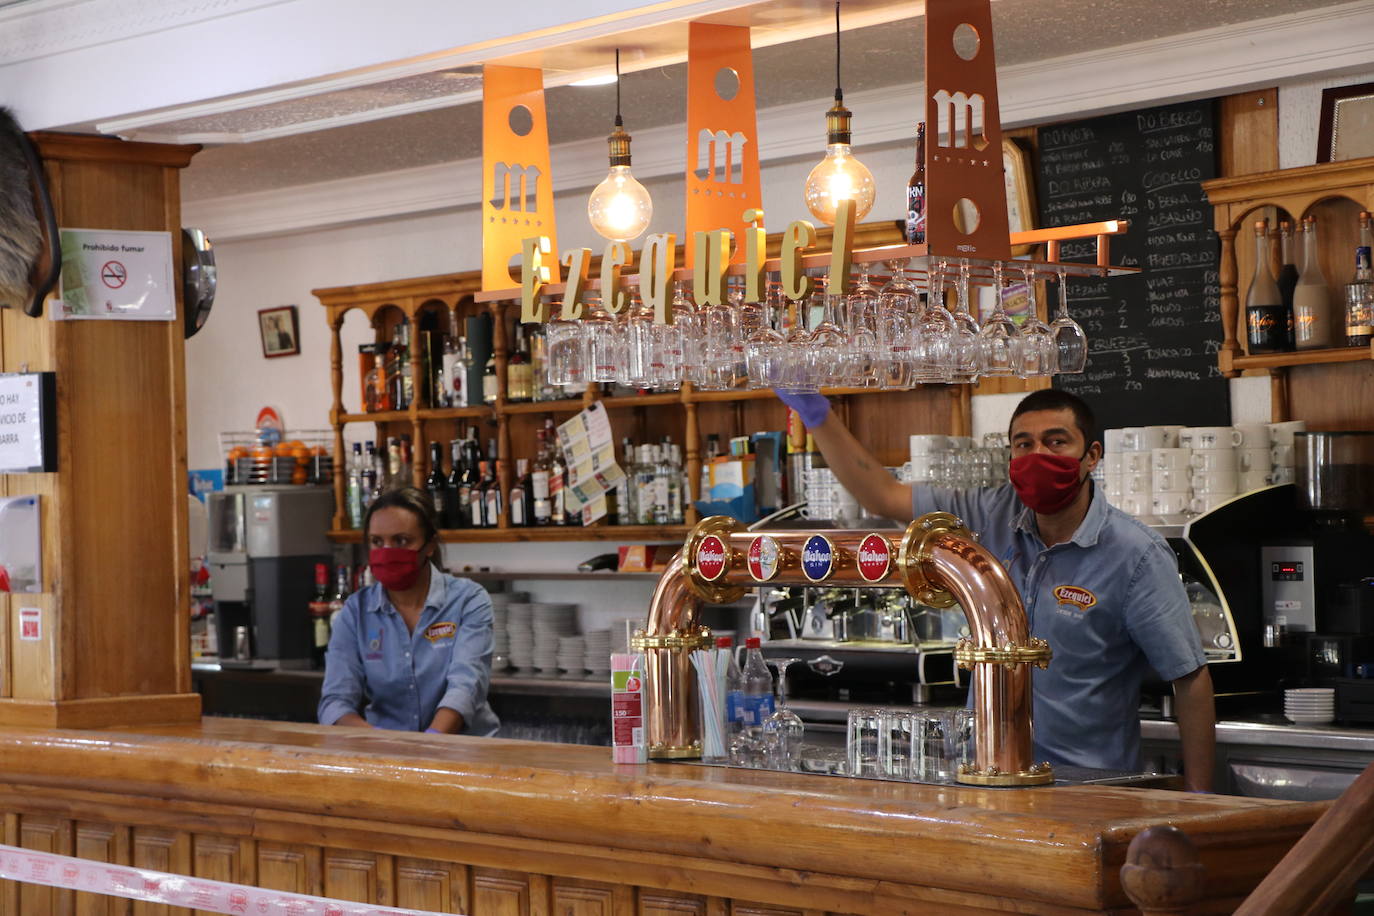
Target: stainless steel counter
{"x":1273,"y":734}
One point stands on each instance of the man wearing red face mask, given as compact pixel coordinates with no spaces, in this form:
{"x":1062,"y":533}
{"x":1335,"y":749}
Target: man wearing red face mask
{"x":413,"y":651}
{"x":1099,"y":586}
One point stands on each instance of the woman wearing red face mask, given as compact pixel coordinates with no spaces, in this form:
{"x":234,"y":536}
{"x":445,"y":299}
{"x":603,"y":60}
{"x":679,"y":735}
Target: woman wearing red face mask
{"x":1100,"y":587}
{"x":413,"y":651}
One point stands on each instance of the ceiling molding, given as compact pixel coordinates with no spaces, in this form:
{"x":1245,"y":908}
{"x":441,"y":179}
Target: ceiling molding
{"x":1199,"y":64}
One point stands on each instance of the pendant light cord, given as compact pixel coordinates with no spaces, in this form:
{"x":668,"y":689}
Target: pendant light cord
{"x":618,"y":121}
{"x":839,"y":96}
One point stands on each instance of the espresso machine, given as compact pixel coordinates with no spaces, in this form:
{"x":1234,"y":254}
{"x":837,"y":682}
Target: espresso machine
{"x":264,"y":544}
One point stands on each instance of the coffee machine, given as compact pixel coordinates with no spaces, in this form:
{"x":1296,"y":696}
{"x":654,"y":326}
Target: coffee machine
{"x":264,"y":544}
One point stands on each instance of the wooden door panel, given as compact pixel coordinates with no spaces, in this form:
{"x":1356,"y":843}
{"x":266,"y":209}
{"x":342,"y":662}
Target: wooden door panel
{"x":569,"y":897}
{"x":161,"y":850}
{"x":101,"y":843}
{"x":508,"y":893}
{"x":440,"y":887}
{"x":654,"y":902}
{"x":290,"y":867}
{"x":221,"y":858}
{"x":363,"y":877}
{"x":44,"y":834}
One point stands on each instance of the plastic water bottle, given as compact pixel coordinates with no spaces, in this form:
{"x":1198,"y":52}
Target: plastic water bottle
{"x":734,"y":692}
{"x":758,"y":684}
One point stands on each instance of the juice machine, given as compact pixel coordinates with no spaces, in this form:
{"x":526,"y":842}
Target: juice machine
{"x":264,"y":544}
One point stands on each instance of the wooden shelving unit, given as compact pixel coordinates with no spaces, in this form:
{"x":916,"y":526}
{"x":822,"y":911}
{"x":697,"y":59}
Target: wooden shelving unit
{"x":1333,"y":192}
{"x":625,"y":533}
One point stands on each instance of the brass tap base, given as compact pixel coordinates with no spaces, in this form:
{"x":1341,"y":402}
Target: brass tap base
{"x":1040,"y":774}
{"x":667,"y":752}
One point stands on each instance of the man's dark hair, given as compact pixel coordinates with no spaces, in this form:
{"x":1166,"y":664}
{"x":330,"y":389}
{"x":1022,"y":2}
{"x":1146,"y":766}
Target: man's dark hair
{"x":1054,"y":399}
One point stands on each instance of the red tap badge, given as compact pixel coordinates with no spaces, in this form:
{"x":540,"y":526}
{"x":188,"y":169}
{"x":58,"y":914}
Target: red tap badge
{"x":711,"y":558}
{"x":875,"y":558}
{"x":764,"y":555}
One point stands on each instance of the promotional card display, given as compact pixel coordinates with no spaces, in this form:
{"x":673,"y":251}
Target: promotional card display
{"x":589,"y":452}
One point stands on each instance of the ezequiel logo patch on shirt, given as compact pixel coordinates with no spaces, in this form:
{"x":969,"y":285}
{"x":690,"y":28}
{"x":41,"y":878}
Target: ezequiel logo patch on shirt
{"x":1075,"y":595}
{"x":437,"y":631}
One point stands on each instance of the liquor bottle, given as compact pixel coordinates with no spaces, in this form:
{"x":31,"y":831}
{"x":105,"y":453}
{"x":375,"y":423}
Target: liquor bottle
{"x":712,"y":453}
{"x":455,"y":515}
{"x":404,"y":386}
{"x":491,"y":493}
{"x":558,"y":513}
{"x":1311,"y":301}
{"x":355,"y":486}
{"x":645,"y":503}
{"x":676,"y":485}
{"x":662,"y":473}
{"x":624,"y":492}
{"x":1359,"y":293}
{"x":539,"y":365}
{"x":916,"y":193}
{"x":519,"y":374}
{"x":758,"y":684}
{"x":370,"y":480}
{"x":342,"y":590}
{"x":489,"y":386}
{"x":1266,"y":324}
{"x":472,"y":478}
{"x":477,"y":497}
{"x":319,"y":615}
{"x":436,"y":483}
{"x":393,"y":462}
{"x":407,"y":461}
{"x":449,"y":392}
{"x":539,"y":481}
{"x":521,"y":502}
{"x":1288,"y":273}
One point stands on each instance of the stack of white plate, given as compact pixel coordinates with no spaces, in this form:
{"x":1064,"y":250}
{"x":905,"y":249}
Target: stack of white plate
{"x":549,"y":622}
{"x":597,"y":654}
{"x":520,"y":636}
{"x":1310,"y":705}
{"x":572,"y":656}
{"x":500,"y":635}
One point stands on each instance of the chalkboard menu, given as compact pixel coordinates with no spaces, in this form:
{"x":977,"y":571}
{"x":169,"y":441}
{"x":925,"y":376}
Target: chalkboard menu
{"x":1154,"y":336}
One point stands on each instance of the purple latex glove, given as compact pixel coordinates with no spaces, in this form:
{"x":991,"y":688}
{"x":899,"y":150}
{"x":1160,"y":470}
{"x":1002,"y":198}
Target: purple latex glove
{"x":812,"y":407}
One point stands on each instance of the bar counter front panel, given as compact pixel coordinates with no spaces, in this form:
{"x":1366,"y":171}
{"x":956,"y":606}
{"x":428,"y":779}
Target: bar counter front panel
{"x":480,"y":826}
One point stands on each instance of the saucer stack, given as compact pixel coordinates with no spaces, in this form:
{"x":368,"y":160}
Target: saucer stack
{"x":500,"y":635}
{"x":1310,"y":705}
{"x":520,"y":636}
{"x":550,"y":622}
{"x":597,"y":655}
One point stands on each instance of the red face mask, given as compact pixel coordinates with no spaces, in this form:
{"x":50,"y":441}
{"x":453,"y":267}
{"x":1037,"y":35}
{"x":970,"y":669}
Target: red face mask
{"x":397,"y":568}
{"x":1045,"y":483}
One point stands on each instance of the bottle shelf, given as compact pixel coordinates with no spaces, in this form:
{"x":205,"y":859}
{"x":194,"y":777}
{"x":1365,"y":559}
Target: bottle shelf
{"x":642,"y":400}
{"x":566,"y":405}
{"x":626,"y":533}
{"x":424,"y":413}
{"x":1304,"y":358}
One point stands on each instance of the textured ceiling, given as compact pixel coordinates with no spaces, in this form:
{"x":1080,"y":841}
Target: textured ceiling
{"x":874,"y":57}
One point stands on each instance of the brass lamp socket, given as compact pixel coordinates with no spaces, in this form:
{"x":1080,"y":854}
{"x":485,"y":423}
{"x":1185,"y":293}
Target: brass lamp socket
{"x":837,"y":124}
{"x":619,"y":142}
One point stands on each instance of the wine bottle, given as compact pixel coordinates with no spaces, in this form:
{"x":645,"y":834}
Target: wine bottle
{"x":916,"y":193}
{"x":1359,"y":293}
{"x":539,"y":481}
{"x":436,"y":483}
{"x":456,"y":515}
{"x":489,"y":386}
{"x":1266,"y":324}
{"x":1311,"y":301}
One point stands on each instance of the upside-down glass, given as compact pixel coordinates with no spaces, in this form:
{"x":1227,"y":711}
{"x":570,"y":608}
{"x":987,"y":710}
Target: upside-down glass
{"x":763,"y":350}
{"x":687,"y":319}
{"x":643,"y":359}
{"x":896,"y":309}
{"x":722,"y":337}
{"x":999,"y":340}
{"x":605,"y":343}
{"x":860,"y":321}
{"x":827,"y":348}
{"x":964,"y":349}
{"x":566,"y":345}
{"x":894,"y":743}
{"x":1039,"y":352}
{"x":783,"y":730}
{"x":862,"y":742}
{"x":1068,"y":335}
{"x":934,"y":332}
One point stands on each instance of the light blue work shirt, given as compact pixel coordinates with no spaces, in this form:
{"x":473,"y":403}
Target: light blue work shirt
{"x":1110,"y":604}
{"x":403,"y":677}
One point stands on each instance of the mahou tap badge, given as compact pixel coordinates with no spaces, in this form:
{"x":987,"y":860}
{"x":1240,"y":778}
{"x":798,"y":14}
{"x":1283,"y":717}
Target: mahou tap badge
{"x":818,"y":558}
{"x":875,"y":558}
{"x":764,"y":555}
{"x":711,"y":558}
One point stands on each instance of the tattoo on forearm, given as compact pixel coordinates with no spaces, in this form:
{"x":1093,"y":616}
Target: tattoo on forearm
{"x":864,"y":464}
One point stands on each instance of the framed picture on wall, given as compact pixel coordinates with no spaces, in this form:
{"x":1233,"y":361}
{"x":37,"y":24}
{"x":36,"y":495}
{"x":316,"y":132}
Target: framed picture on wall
{"x":1346,"y":129}
{"x":1016,"y":173}
{"x":280,"y":333}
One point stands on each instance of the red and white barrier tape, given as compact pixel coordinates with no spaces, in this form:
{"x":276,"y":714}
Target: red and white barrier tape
{"x":32,"y":867}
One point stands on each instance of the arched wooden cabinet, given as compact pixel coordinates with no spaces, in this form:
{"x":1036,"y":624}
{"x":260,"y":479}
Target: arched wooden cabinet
{"x":1317,"y":385}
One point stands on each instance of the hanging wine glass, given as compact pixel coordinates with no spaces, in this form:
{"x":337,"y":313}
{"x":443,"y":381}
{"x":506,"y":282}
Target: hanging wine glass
{"x":1039,"y":352}
{"x":826,"y":352}
{"x":1068,"y":335}
{"x":999,"y":340}
{"x":861,"y":324}
{"x":964,"y":350}
{"x":934,"y":333}
{"x":687,"y":319}
{"x":763,"y":351}
{"x":896,"y":306}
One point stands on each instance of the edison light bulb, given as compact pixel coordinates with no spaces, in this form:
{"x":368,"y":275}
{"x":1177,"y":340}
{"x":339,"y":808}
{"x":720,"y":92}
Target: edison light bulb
{"x":620,"y":207}
{"x":839,"y":176}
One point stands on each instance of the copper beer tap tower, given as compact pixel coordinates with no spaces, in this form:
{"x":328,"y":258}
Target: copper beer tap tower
{"x":937,"y":560}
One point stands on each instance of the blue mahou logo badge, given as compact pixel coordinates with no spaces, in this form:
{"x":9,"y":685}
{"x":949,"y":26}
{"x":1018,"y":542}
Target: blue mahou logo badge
{"x":818,"y":558}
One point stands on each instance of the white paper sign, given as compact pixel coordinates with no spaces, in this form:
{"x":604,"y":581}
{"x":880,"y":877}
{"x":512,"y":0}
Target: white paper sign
{"x":21,"y":424}
{"x":117,"y":275}
{"x":590,"y":455}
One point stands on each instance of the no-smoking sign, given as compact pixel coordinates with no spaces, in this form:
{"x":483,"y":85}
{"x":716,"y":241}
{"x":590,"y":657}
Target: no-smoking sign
{"x":113,"y":274}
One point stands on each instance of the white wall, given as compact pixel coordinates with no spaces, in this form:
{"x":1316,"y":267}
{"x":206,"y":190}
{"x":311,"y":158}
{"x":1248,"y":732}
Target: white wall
{"x":229,"y":380}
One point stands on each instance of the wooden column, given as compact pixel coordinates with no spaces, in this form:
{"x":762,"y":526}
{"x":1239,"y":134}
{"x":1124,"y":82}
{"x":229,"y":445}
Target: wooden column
{"x":113,"y":647}
{"x":341,"y":519}
{"x":1230,"y":304}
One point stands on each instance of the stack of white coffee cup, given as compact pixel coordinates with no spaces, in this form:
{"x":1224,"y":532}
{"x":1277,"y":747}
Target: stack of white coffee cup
{"x":1171,"y":473}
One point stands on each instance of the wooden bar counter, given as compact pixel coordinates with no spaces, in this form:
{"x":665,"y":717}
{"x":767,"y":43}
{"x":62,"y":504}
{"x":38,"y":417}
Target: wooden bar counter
{"x":482,"y":826}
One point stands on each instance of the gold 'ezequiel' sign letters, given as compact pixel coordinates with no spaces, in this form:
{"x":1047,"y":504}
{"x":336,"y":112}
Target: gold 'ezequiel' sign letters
{"x":710,"y":265}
